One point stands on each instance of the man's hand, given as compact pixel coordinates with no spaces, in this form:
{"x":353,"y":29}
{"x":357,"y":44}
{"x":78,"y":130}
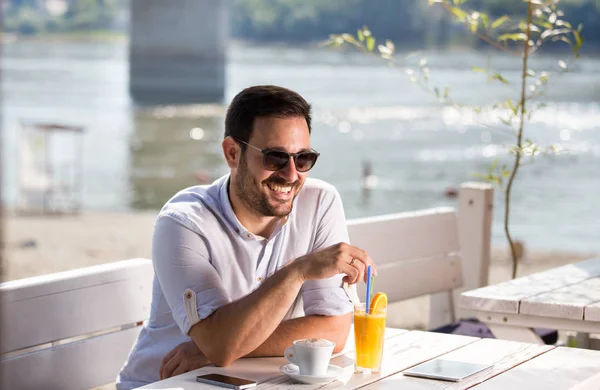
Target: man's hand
{"x":340,"y":258}
{"x":183,"y":358}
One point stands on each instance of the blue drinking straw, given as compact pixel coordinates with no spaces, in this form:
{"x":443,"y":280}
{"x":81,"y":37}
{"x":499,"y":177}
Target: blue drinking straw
{"x":368,"y":290}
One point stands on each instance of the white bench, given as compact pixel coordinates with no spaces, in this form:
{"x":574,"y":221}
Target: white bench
{"x":74,"y":329}
{"x":437,"y":252}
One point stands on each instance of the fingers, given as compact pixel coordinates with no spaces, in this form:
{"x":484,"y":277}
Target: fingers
{"x":169,"y":356}
{"x":363,"y":257}
{"x":182,"y":368}
{"x":352,"y":273}
{"x":167,"y":369}
{"x":361,"y":269}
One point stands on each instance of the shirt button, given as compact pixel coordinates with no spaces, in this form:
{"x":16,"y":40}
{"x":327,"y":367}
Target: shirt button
{"x":260,"y":279}
{"x":248,"y":235}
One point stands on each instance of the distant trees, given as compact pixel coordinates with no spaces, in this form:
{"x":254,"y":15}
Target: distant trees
{"x":408,"y":22}
{"x":30,"y":17}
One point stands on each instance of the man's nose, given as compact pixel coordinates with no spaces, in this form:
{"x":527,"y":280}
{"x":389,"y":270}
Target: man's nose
{"x":289,"y":173}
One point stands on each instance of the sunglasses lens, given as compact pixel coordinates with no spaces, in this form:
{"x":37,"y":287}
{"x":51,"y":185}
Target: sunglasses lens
{"x":275,"y":160}
{"x":305,"y":161}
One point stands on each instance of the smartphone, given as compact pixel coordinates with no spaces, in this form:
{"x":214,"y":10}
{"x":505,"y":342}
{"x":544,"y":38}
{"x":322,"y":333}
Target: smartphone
{"x":230,"y":382}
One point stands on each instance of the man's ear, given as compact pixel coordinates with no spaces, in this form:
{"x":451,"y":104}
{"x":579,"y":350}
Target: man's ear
{"x":232,"y":152}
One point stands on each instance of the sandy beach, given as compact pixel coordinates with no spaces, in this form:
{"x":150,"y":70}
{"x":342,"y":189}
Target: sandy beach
{"x":40,"y":245}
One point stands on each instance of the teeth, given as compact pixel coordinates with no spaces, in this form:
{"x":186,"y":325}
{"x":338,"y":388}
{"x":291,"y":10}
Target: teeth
{"x":279,"y":188}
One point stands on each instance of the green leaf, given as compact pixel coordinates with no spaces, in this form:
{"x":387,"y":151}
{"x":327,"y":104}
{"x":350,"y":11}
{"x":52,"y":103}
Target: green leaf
{"x":390,"y":45}
{"x":437,"y":92}
{"x":459,"y":13}
{"x":546,"y":34}
{"x":479,"y":175}
{"x":564,"y":39}
{"x":512,"y":37}
{"x":534,"y":28}
{"x":446,"y":92}
{"x":360,"y":35}
{"x":425,"y":73}
{"x":474,"y":25}
{"x":479,"y":70}
{"x":511,"y":105}
{"x":551,"y":33}
{"x":385,"y":52}
{"x":494,"y":165}
{"x":499,"y":77}
{"x":485,"y":20}
{"x":370,"y":43}
{"x":384,"y":49}
{"x":349,"y":38}
{"x":498,"y":22}
{"x":578,"y":41}
{"x":560,"y":23}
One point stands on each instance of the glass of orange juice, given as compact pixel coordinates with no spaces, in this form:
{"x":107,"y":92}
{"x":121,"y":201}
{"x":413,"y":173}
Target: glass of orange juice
{"x":369,"y":330}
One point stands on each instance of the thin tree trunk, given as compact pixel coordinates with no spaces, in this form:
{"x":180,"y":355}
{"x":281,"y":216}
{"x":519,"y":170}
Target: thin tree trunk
{"x":518,"y":152}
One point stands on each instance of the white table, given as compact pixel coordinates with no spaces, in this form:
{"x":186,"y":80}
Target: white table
{"x":516,"y":366}
{"x":566,"y":298}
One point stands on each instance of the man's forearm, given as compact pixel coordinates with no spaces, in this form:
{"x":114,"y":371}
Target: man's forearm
{"x":240,"y":327}
{"x":334,"y":328}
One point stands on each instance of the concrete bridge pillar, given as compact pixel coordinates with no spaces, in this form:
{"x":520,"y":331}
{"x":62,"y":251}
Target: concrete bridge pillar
{"x":177,"y":51}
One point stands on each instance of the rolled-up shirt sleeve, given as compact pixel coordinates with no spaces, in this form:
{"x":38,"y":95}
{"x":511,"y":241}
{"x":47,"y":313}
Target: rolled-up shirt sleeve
{"x":329,"y":296}
{"x":191,"y":285}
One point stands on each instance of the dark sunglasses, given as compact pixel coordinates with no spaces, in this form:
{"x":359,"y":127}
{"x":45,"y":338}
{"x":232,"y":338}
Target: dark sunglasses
{"x":275,"y":159}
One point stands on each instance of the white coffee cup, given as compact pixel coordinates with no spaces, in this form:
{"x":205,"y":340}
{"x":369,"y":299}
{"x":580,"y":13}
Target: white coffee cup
{"x":312,"y":356}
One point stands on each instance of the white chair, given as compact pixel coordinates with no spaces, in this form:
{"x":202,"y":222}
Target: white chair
{"x":430,"y":252}
{"x":74,"y":329}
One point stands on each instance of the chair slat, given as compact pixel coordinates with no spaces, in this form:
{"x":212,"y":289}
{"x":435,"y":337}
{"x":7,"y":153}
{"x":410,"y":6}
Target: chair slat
{"x":64,"y":306}
{"x":80,"y":365}
{"x":408,"y":279}
{"x":406,"y":236}
{"x":416,"y":253}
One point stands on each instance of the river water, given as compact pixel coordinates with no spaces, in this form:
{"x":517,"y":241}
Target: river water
{"x":364,"y":112}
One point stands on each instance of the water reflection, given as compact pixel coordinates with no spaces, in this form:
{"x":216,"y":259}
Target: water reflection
{"x":172,"y":152}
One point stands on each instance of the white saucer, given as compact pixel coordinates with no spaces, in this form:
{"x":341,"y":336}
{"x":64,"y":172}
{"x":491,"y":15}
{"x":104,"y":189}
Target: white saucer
{"x":291,"y":370}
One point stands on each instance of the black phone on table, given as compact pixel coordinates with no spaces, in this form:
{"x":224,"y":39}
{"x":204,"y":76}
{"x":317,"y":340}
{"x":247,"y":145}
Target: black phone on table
{"x":230,"y":382}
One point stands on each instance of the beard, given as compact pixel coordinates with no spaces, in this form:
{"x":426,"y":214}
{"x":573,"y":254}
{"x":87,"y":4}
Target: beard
{"x":248,"y":189}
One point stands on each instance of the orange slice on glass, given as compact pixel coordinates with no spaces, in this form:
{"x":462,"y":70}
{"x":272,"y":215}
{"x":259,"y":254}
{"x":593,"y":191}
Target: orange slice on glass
{"x":378,"y":302}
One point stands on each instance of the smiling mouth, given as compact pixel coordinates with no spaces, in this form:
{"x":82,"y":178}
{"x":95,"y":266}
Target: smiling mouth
{"x":281,"y":192}
{"x":279,"y":188}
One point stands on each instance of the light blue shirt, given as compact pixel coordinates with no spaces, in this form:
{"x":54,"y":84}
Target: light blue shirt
{"x":204,"y":258}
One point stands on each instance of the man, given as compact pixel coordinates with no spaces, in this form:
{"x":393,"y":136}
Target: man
{"x":255,"y":260}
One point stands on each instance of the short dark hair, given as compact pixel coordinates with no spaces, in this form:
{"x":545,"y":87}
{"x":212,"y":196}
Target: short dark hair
{"x":263,"y":100}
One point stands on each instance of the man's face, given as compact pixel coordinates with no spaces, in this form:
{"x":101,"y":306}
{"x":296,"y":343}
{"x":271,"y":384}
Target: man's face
{"x":271,"y":193}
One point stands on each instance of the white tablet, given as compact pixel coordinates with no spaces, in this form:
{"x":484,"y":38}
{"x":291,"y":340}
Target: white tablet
{"x":447,"y":370}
